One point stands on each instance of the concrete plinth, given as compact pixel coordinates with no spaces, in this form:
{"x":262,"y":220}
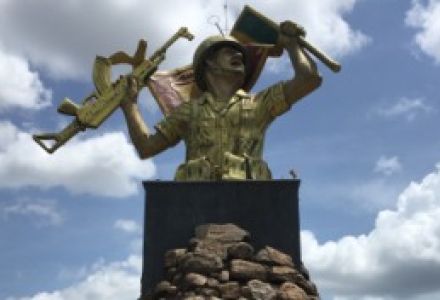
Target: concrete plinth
{"x":267,"y":209}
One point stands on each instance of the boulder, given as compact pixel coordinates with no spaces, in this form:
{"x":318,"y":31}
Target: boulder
{"x":273,"y":256}
{"x":195,"y":280}
{"x":282,"y":274}
{"x":221,"y":232}
{"x":229,"y":290}
{"x":241,"y":250}
{"x":201,"y":263}
{"x":290,"y":291}
{"x":219,"y":264}
{"x":261,"y":290}
{"x":246,"y":270}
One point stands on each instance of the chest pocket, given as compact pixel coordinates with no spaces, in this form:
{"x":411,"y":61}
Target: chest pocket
{"x":248,"y":113}
{"x":250,"y":129}
{"x":203,"y":132}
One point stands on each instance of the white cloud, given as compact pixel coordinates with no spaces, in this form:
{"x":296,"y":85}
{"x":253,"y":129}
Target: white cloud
{"x":63,"y":37}
{"x":425,"y":17}
{"x":388,"y":165}
{"x":105,"y":165}
{"x":399,"y":258}
{"x":323,"y":21}
{"x":409,"y":108}
{"x":19,"y":86}
{"x":44,"y":211}
{"x":129,"y":226}
{"x":114,"y":281}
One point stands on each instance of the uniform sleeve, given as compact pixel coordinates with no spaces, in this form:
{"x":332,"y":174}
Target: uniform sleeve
{"x":175,"y":125}
{"x":272,"y":101}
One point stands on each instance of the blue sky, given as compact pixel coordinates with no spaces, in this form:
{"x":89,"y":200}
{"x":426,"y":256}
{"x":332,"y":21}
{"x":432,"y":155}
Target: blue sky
{"x":365,"y":146}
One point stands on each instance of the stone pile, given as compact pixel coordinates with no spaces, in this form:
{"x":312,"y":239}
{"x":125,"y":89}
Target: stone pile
{"x":220,"y":263}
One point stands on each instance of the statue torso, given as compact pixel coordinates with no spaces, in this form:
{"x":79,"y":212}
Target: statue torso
{"x":224,"y":140}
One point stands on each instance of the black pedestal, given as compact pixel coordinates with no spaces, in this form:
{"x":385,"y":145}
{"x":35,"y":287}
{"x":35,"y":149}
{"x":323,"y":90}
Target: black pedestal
{"x":267,"y":209}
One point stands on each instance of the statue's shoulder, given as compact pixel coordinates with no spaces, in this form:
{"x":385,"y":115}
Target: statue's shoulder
{"x":273,"y":92}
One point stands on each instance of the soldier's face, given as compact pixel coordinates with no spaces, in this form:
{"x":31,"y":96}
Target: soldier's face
{"x":230,"y":59}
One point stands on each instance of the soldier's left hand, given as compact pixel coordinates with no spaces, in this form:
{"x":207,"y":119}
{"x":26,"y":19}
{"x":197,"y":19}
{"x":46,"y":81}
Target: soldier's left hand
{"x":292,"y":29}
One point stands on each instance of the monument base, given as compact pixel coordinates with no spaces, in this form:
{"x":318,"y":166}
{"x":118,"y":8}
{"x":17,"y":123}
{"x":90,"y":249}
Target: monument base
{"x":267,"y":209}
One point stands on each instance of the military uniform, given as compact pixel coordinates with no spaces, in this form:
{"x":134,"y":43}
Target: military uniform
{"x":224,"y":140}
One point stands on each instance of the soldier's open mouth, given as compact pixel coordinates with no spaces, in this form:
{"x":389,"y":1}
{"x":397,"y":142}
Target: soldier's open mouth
{"x":236,"y":62}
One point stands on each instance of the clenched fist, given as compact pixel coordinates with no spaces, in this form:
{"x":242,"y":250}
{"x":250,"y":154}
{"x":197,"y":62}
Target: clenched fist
{"x":132,"y":91}
{"x":289,"y":32}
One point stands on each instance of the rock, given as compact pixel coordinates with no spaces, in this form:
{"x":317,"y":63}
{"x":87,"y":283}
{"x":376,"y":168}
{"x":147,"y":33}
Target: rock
{"x":261,"y":290}
{"x":229,"y":290}
{"x":200,"y":263}
{"x":303,"y":270}
{"x":165,"y":288}
{"x":308,"y":286}
{"x":290,"y":291}
{"x":272,"y":256}
{"x":189,"y":294}
{"x":195,"y":280}
{"x":173,"y":256}
{"x":246,"y":292}
{"x":208,"y":292}
{"x":212,"y":283}
{"x":219,"y":264}
{"x":247,"y":270}
{"x":210,"y":247}
{"x":241,"y":250}
{"x":177,"y":278}
{"x":282,"y":274}
{"x":170,"y":273}
{"x":221,"y":232}
{"x":195,"y":297}
{"x":224,"y":276}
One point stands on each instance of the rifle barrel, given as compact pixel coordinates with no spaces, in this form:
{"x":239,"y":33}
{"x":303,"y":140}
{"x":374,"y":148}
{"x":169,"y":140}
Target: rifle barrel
{"x":182,"y":32}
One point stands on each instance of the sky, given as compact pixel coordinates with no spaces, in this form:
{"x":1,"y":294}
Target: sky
{"x":364,"y":145}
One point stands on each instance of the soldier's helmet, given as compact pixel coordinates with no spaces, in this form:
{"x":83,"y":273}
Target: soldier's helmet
{"x":209,"y":46}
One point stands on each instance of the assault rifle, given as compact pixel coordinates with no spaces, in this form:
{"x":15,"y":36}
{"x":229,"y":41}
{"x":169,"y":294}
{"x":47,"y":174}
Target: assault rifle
{"x":99,"y":105}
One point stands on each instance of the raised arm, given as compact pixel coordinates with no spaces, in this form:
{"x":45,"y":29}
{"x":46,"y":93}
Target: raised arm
{"x":146,"y":144}
{"x":306,"y":77}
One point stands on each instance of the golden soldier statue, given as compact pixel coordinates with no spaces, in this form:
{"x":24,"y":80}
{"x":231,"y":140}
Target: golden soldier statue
{"x":222,"y":125}
{"x":224,"y":128}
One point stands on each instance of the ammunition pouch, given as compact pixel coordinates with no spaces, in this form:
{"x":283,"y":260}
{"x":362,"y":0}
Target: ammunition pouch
{"x":234,"y":167}
{"x":194,"y":169}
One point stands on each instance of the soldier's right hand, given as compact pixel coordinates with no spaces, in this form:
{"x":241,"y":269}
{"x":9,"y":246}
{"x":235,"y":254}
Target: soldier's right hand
{"x":132,"y":91}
